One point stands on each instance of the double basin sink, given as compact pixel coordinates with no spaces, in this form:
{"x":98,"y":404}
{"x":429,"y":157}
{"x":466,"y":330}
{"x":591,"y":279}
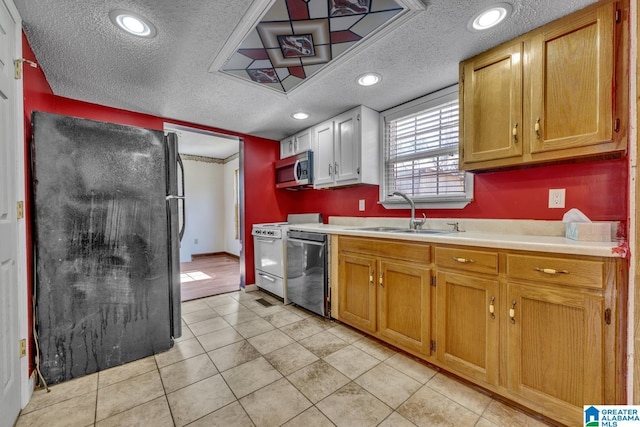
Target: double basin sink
{"x":404,"y":230}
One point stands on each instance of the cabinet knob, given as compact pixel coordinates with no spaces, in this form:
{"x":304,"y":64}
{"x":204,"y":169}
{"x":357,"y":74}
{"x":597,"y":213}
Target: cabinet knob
{"x":464,"y":260}
{"x":492,"y":307}
{"x":537,"y":128}
{"x":381,"y":276}
{"x":371,"y":276}
{"x":514,"y":132}
{"x":512,"y":312}
{"x":551,"y":271}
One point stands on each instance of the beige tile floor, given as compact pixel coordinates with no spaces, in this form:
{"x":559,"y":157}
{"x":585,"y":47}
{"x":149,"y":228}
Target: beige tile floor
{"x":239,"y":363}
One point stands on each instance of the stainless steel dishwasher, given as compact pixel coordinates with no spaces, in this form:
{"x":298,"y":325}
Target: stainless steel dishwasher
{"x":307,"y":271}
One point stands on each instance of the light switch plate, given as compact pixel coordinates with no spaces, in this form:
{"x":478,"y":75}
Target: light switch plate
{"x":556,"y":198}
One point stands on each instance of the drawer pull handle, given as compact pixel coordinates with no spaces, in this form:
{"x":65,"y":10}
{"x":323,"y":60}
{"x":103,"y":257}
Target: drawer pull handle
{"x":514,"y":132}
{"x":381,"y":276}
{"x":512,"y":312}
{"x":537,"y":128}
{"x":492,"y":307}
{"x":551,"y":271}
{"x":463,"y":260}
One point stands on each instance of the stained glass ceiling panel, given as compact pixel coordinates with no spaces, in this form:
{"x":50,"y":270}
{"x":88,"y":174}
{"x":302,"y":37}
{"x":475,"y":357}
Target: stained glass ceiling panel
{"x":296,"y":39}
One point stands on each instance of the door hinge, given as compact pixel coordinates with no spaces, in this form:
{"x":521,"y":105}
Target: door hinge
{"x":616,"y":125}
{"x":618,"y":16}
{"x":20,"y":210}
{"x":607,"y":316}
{"x":432,"y":345}
{"x":433,"y":280}
{"x":23,"y":347}
{"x":17,"y":67}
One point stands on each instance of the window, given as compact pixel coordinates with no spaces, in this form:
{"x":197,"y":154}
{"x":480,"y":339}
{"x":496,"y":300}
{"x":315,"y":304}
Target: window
{"x":420,"y":153}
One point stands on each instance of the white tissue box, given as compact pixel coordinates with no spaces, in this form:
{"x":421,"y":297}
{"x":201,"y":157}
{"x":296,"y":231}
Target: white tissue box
{"x":590,"y":231}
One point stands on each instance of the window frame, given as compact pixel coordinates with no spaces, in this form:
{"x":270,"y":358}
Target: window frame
{"x":423,"y":103}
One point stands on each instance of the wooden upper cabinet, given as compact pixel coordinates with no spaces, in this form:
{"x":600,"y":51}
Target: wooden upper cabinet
{"x":572,"y":79}
{"x":558,"y":92}
{"x":491,"y":95}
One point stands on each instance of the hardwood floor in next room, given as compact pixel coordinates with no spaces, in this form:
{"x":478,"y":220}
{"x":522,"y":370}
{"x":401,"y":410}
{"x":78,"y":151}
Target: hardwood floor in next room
{"x":209,"y":275}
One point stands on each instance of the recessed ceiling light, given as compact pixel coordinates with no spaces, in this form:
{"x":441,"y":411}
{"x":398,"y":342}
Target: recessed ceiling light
{"x":369,"y":79}
{"x":490,"y":17}
{"x":133,"y":23}
{"x":300,"y":115}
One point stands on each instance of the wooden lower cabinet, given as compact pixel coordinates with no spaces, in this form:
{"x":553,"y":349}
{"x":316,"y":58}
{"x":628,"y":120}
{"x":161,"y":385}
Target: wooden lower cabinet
{"x":468,"y":325}
{"x":386,"y":297}
{"x":541,"y":329}
{"x":555,"y":349}
{"x":357,"y":291}
{"x":404,"y":305}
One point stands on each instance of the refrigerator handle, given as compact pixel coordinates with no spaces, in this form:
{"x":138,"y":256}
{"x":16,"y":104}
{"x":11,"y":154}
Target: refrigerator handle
{"x":182,"y":193}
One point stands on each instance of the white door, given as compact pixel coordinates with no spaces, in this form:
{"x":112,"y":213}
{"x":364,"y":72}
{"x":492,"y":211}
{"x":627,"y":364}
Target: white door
{"x":347,"y":147}
{"x":10,"y":379}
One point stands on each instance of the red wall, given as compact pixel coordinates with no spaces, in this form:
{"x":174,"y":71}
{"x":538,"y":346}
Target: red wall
{"x":597,"y":188}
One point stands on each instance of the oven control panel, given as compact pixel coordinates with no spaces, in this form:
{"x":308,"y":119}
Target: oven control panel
{"x":272,"y":232}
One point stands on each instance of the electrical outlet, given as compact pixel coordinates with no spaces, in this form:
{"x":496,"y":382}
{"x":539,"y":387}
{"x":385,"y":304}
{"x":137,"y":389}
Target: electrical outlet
{"x":361,"y":205}
{"x":556,"y":198}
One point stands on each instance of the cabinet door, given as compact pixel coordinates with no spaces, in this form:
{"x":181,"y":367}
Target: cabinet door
{"x":286,"y":147}
{"x":302,"y":141}
{"x":467,"y":331}
{"x":323,"y":154}
{"x":492,"y":105}
{"x":347,"y":147}
{"x":357,"y":303}
{"x":572,"y":83}
{"x":555,"y":348}
{"x":405,"y":305}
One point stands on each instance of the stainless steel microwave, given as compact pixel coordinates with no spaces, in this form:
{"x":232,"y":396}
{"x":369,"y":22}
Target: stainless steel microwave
{"x":295,"y":171}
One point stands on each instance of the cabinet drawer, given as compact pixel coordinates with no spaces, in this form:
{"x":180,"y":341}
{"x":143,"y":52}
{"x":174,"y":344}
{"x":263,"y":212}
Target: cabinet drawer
{"x":467,"y":260}
{"x":406,"y":251}
{"x":562,"y":271}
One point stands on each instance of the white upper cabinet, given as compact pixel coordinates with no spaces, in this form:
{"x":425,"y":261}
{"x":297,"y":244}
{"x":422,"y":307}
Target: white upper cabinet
{"x":296,"y":144}
{"x":346,"y":150}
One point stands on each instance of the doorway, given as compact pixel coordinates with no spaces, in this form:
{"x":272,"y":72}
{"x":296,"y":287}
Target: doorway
{"x":211,"y":244}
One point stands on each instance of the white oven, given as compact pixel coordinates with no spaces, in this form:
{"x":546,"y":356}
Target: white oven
{"x":270,"y":252}
{"x":269,"y":248}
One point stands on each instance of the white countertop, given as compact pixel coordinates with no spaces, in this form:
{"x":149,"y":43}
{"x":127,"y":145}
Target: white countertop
{"x":487,"y":239}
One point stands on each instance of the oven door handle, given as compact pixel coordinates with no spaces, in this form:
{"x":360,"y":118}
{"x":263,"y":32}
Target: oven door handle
{"x":271,"y":279}
{"x":265,"y":240}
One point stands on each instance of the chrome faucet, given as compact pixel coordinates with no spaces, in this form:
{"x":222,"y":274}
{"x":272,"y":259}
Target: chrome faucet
{"x":414,"y":224}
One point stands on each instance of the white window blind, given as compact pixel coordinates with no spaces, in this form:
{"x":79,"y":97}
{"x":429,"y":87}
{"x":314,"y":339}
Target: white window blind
{"x":421,"y":151}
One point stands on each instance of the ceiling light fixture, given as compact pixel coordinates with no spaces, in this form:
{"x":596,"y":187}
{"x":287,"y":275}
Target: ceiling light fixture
{"x":300,"y":115}
{"x":369,"y":79}
{"x":490,"y":17}
{"x":132,"y":23}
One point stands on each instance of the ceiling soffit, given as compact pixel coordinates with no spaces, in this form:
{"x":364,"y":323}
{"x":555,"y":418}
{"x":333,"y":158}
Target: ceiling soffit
{"x":281,"y":44}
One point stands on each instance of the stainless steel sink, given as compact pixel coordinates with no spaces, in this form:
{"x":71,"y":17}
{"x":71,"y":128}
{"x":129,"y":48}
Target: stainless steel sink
{"x":403,"y":230}
{"x":380,"y":228}
{"x":422,"y":231}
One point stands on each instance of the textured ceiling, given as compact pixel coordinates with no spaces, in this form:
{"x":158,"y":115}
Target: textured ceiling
{"x":85,"y":57}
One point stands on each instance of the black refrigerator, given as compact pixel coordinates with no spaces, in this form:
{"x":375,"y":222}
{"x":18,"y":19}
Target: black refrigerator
{"x":106,"y":239}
